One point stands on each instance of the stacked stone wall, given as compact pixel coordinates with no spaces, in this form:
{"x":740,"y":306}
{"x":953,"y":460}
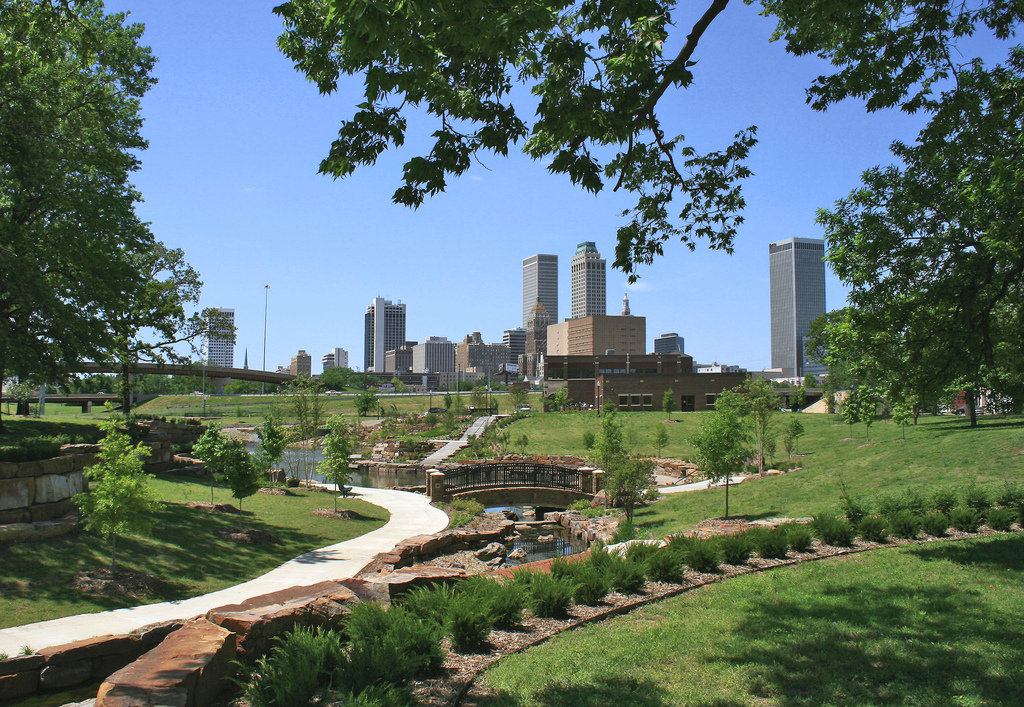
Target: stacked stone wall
{"x":35,"y":497}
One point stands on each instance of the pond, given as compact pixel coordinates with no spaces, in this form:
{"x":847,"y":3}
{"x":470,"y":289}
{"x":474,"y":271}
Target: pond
{"x":295,"y":461}
{"x":560,"y":543}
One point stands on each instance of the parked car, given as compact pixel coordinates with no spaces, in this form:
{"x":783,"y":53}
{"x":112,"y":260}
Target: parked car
{"x":523,"y":408}
{"x":435,"y":411}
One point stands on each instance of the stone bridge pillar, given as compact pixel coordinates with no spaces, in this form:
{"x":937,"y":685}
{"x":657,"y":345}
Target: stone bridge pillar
{"x":219,"y":383}
{"x":435,"y":485}
{"x":596,"y":480}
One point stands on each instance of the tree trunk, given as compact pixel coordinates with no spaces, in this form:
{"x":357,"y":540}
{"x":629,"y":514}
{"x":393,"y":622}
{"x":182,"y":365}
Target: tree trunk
{"x":917,"y":412}
{"x":126,"y":388}
{"x":113,"y":554}
{"x":972,"y":408}
{"x":3,"y":372}
{"x":727,"y":496}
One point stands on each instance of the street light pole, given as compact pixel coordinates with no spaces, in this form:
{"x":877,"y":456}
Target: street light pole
{"x":266,"y":299}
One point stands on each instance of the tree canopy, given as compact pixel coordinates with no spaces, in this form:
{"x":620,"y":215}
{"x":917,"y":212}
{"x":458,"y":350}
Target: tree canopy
{"x":598,"y":72}
{"x":71,"y":78}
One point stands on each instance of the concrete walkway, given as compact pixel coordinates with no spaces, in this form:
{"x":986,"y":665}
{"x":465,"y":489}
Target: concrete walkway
{"x":701,"y":485}
{"x":476,"y":429}
{"x":411,"y":514}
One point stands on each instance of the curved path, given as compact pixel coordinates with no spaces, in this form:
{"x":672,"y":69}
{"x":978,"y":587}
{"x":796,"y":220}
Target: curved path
{"x":411,"y":514}
{"x":476,"y":429}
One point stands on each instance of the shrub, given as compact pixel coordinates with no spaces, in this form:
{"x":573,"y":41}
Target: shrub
{"x":664,"y":565}
{"x":525,"y":578}
{"x":1000,"y":519}
{"x":580,"y":505}
{"x":799,"y":535}
{"x":944,"y":500}
{"x":429,"y":603}
{"x":638,"y":552}
{"x":905,"y":524}
{"x":468,"y":622}
{"x":935,"y":523}
{"x":873,"y":529}
{"x":505,"y":604}
{"x":388,"y":646}
{"x":550,"y":596}
{"x":855,"y":508}
{"x":624,"y":532}
{"x":773,"y":544}
{"x":833,"y":531}
{"x":735,"y":549}
{"x":591,"y":587}
{"x":588,"y":440}
{"x":910,"y":500}
{"x":298,"y":664}
{"x":599,"y":558}
{"x":595,"y":512}
{"x":474,"y":508}
{"x":625,"y":575}
{"x":459,"y":519}
{"x":1011,"y":495}
{"x":32,"y":449}
{"x":293,"y":482}
{"x":965,"y":519}
{"x":702,"y":556}
{"x":976,"y":499}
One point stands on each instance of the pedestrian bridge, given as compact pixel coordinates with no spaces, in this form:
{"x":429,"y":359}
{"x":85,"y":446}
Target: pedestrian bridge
{"x":515,"y":483}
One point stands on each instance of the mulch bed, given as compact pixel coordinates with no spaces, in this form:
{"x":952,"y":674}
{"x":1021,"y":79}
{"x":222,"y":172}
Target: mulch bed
{"x":120,"y":584}
{"x":212,"y":507}
{"x":457,"y":682}
{"x":275,"y":491}
{"x":248,"y":536}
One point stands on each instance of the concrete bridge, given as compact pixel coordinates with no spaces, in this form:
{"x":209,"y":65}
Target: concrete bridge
{"x":217,"y":375}
{"x":515,"y":483}
{"x":83,"y":400}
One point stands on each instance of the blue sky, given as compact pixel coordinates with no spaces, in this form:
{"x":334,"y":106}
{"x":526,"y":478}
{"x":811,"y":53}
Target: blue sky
{"x":236,"y":136}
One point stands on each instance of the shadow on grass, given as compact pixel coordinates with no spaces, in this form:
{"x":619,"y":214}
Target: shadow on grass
{"x":1003,"y":553}
{"x":959,"y":423}
{"x":609,"y":691}
{"x":873,"y":644}
{"x":18,"y":428}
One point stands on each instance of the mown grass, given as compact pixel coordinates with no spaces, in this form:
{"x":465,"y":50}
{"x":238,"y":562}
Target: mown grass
{"x":939,"y":451}
{"x":920,"y":625}
{"x":183,"y":550}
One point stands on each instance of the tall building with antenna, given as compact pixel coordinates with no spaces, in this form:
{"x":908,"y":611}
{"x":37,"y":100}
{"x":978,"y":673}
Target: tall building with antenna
{"x":587,"y":268}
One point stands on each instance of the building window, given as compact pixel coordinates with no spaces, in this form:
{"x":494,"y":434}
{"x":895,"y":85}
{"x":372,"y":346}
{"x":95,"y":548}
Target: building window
{"x":648,"y":400}
{"x":709,"y":400}
{"x":623,"y":401}
{"x":687,"y":403}
{"x":634,"y":400}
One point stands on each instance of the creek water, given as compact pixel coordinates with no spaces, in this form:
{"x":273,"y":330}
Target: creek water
{"x":295,"y":461}
{"x":560,"y":543}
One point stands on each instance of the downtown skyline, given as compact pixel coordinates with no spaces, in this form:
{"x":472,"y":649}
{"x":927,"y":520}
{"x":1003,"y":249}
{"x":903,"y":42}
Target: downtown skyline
{"x":236,"y":136}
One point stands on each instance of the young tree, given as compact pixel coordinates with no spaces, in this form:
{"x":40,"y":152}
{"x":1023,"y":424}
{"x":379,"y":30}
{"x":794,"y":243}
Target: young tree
{"x":561,"y":398}
{"x":791,"y":437}
{"x":588,"y":440}
{"x":721,"y":444}
{"x":478,"y":398}
{"x":810,"y":381}
{"x":365,"y":402}
{"x":799,"y":399}
{"x":212,"y":448}
{"x":668,"y":401}
{"x":757,"y":404}
{"x":627,"y":480}
{"x":337,"y":449}
{"x":523,"y":442}
{"x":273,"y":442}
{"x":518,"y":394}
{"x":400,"y":387}
{"x":867,"y":408}
{"x":901,"y":414}
{"x":660,"y":438}
{"x":119,"y":500}
{"x":72,"y":80}
{"x":336,"y":378}
{"x":241,"y":473}
{"x":448,"y":401}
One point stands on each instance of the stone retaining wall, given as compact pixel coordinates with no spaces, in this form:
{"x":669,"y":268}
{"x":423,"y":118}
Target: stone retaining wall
{"x":35,"y":497}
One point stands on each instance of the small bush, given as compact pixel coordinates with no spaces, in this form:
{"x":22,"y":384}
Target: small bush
{"x":550,"y":596}
{"x":474,"y":508}
{"x":459,"y":519}
{"x":468,"y":622}
{"x":773,"y":544}
{"x":588,"y":440}
{"x":638,"y":552}
{"x":976,"y":499}
{"x":625,"y":532}
{"x":855,"y":508}
{"x":873,"y":529}
{"x":505,"y":602}
{"x":580,"y":505}
{"x":702,"y":556}
{"x":664,"y":565}
{"x":1010,"y":496}
{"x":735,"y":549}
{"x":833,"y":531}
{"x":599,"y":558}
{"x":596,"y":512}
{"x":429,"y":603}
{"x":1000,"y":519}
{"x":33,"y":449}
{"x":944,"y":500}
{"x":525,"y":578}
{"x":591,"y":587}
{"x":299,"y":663}
{"x":964,"y":519}
{"x":935,"y":523}
{"x":625,"y":575}
{"x":293,"y":482}
{"x":905,"y":524}
{"x":910,"y":500}
{"x":389,"y":646}
{"x":799,"y":535}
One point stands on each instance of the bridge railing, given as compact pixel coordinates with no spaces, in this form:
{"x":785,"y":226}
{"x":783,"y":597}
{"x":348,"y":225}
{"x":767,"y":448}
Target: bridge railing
{"x":479,"y":477}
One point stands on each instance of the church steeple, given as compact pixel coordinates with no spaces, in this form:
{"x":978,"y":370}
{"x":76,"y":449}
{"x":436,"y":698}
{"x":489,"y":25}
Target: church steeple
{"x":625,"y":305}
{"x":246,"y":365}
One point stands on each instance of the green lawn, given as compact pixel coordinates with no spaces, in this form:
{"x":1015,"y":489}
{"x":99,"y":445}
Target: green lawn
{"x":936,"y":624}
{"x":182,"y":550}
{"x":939,"y":451}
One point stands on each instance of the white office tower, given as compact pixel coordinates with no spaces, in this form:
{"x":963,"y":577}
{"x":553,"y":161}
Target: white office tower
{"x":540,"y":284}
{"x":435,"y":355}
{"x":384,"y":331}
{"x":336,"y":358}
{"x":220,"y":342}
{"x":588,"y":282}
{"x":796,"y":268}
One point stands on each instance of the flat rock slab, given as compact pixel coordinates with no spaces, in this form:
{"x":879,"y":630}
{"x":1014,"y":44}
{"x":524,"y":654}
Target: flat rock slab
{"x":188,"y":669}
{"x":401,"y":581}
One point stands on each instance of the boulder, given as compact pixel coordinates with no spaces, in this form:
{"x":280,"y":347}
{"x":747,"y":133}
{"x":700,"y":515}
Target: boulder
{"x":18,"y":685}
{"x":400,"y":581}
{"x":52,"y":511}
{"x":21,"y":664}
{"x":16,"y":533}
{"x":517,"y":554}
{"x":189,"y":668}
{"x":56,"y":677}
{"x":52,"y":487}
{"x":491,"y":550}
{"x":78,"y":651}
{"x":496,"y":562}
{"x":17,"y":493}
{"x":545,"y":538}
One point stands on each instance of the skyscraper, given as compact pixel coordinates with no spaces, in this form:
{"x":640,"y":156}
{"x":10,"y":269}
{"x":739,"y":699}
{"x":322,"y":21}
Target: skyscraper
{"x":540,"y":284}
{"x":588,"y":282}
{"x":796,"y":269}
{"x":220,"y":341}
{"x":384,"y":331}
{"x":515,"y":339}
{"x":435,"y":355}
{"x":668,"y":343}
